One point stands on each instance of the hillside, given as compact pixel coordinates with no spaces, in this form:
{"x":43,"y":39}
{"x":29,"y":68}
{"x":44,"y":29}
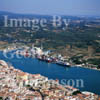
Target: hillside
{"x":81,"y":37}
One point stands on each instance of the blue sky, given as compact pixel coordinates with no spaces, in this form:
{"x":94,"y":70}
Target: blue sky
{"x":62,"y":7}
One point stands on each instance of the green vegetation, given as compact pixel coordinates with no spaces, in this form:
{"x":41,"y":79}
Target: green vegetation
{"x":94,"y":61}
{"x":1,"y":98}
{"x":78,"y":38}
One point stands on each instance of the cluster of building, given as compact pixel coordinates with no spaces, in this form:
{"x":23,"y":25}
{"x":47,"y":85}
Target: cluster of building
{"x":18,"y":85}
{"x":41,"y":55}
{"x":52,"y":57}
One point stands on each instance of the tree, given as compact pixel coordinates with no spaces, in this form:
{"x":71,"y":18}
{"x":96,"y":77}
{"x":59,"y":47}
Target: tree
{"x":98,"y":67}
{"x":1,"y":98}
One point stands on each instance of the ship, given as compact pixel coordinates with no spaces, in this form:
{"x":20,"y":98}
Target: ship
{"x":62,"y":63}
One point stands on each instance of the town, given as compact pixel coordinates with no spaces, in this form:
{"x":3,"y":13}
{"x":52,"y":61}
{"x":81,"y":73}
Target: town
{"x":47,"y":56}
{"x":18,"y":85}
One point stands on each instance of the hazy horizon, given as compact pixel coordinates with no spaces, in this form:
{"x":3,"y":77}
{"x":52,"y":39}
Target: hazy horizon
{"x":52,"y":7}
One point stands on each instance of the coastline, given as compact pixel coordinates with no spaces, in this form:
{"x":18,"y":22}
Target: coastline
{"x":58,"y":68}
{"x":72,"y":65}
{"x":85,"y":67}
{"x":23,"y":79}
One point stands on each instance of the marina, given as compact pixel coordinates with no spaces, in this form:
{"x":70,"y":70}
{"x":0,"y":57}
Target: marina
{"x":42,"y":56}
{"x":54,"y":71}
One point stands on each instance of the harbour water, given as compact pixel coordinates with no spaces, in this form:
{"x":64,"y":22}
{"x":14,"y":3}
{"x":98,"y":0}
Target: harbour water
{"x":90,"y":77}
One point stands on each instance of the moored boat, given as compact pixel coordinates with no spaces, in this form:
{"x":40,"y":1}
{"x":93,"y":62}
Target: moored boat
{"x":66,"y":64}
